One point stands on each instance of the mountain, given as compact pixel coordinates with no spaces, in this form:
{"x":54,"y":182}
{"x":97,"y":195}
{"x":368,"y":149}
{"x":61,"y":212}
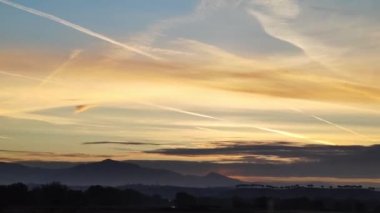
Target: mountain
{"x":109,"y":173}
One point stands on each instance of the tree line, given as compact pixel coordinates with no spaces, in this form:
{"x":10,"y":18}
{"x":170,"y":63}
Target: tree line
{"x":55,"y":196}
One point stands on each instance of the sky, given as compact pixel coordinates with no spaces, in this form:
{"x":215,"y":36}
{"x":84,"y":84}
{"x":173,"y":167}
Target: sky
{"x":255,"y":89}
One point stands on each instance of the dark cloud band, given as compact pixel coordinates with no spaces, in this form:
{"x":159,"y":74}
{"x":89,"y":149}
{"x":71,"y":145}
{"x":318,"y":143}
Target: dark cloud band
{"x":119,"y":143}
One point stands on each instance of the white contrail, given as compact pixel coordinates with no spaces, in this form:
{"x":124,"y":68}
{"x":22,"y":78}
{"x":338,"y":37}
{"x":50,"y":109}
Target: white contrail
{"x":72,"y":56}
{"x":15,"y":75}
{"x":182,"y":111}
{"x":4,"y":137}
{"x":265,"y":129}
{"x":261,"y":128}
{"x":286,"y":133}
{"x":77,"y":27}
{"x":332,"y":124}
{"x":341,"y":127}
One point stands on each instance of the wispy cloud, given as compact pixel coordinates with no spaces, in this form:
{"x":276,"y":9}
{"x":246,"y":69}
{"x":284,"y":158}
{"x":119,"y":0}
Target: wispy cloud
{"x":276,"y":18}
{"x":202,"y":10}
{"x":332,"y":44}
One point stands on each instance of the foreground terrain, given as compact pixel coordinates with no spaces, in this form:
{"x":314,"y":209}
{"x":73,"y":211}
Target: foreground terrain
{"x":55,"y":197}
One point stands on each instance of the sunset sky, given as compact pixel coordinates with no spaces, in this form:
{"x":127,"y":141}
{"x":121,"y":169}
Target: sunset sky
{"x":248,"y":82}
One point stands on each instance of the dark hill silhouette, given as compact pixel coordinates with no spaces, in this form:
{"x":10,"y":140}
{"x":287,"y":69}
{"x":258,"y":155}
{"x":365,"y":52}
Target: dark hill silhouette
{"x":108,"y":173}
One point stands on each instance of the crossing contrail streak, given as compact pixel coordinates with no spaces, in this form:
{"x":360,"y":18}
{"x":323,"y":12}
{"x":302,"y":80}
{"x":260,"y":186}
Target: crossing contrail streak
{"x":129,"y":48}
{"x":285,"y":133}
{"x":341,"y":127}
{"x":4,"y":137}
{"x":72,"y":56}
{"x":15,"y":75}
{"x":333,"y":124}
{"x":265,"y":129}
{"x":78,"y":28}
{"x":183,"y":111}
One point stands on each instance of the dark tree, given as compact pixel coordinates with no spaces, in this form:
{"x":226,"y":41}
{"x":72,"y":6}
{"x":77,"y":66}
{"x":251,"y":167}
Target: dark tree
{"x":184,"y":200}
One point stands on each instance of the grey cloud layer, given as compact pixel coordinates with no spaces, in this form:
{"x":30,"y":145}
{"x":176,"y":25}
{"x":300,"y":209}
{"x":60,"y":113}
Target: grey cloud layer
{"x":315,"y":160}
{"x":51,"y":155}
{"x":119,"y":143}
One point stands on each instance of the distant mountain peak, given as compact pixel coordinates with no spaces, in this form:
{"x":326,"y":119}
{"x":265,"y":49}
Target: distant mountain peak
{"x":14,"y":165}
{"x":214,"y":174}
{"x":112,"y":164}
{"x":109,"y":161}
{"x":111,"y":173}
{"x":217,"y":176}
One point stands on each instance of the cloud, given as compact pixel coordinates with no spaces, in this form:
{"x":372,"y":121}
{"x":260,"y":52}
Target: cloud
{"x":202,"y":10}
{"x":288,"y":84}
{"x":323,"y":31}
{"x":261,"y":160}
{"x":288,"y":9}
{"x":312,"y":152}
{"x":216,"y":71}
{"x":276,"y":19}
{"x":17,"y":155}
{"x":84,"y":107}
{"x":121,"y":143}
{"x":291,"y":159}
